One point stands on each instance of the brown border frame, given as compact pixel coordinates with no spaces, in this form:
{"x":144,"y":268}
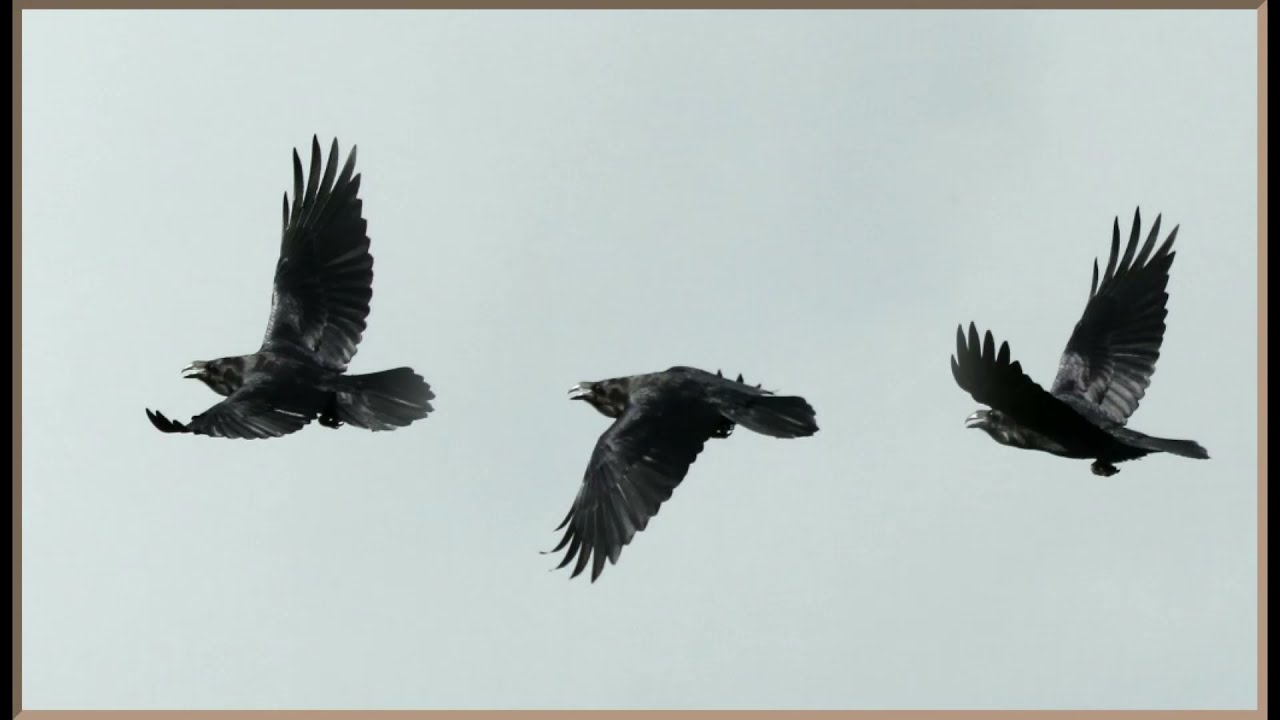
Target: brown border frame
{"x":1261,"y":8}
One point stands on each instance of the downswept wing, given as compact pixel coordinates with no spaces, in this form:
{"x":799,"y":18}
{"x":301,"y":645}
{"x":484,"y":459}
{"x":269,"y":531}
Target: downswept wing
{"x":324,"y":277}
{"x":635,"y":466}
{"x":1113,"y":349}
{"x":255,"y":411}
{"x":993,"y":380}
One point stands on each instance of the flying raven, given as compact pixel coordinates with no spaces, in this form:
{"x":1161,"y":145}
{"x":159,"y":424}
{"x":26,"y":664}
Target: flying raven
{"x":1103,"y":373}
{"x":323,"y":283}
{"x":661,"y":421}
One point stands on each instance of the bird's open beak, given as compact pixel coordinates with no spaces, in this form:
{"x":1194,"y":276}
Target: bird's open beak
{"x":580,"y":391}
{"x":976,"y":420}
{"x":194,"y":370}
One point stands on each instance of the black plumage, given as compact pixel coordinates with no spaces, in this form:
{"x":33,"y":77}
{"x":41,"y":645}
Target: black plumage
{"x":1103,"y":373}
{"x":320,"y":300}
{"x":661,"y":422}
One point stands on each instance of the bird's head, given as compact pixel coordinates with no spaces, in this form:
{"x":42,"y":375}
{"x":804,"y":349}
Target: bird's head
{"x":609,"y":397}
{"x":223,"y":376}
{"x":998,"y":425}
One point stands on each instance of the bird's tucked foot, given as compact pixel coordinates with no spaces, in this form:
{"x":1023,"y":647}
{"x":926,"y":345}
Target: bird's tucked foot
{"x":1104,"y":469}
{"x":329,"y":416}
{"x":724,"y":430}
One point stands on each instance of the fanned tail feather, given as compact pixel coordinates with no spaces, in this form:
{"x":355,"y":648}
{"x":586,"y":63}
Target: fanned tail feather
{"x":778,"y":416}
{"x":384,"y":400}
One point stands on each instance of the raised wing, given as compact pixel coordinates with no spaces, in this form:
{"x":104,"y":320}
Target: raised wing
{"x":252,"y":412}
{"x":635,"y":466}
{"x":324,"y":277}
{"x":1112,"y":352}
{"x":993,"y":380}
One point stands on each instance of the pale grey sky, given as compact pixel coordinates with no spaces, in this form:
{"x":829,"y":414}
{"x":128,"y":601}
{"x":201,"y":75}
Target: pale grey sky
{"x":814,"y":199}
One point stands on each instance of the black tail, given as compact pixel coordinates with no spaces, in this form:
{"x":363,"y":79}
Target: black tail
{"x":1185,"y":448}
{"x":776,"y":416}
{"x":383,"y":400}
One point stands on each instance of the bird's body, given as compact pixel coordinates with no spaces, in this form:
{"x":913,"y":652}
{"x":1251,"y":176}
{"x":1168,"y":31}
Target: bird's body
{"x":1103,"y":373}
{"x":661,"y":423}
{"x":322,"y":287}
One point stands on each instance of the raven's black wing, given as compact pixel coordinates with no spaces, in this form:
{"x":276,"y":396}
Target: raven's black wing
{"x":1113,"y":350}
{"x":254,"y":411}
{"x":636,"y":464}
{"x":995,"y":381}
{"x":324,"y":277}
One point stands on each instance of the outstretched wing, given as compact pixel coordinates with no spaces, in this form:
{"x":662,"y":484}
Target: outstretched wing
{"x":253,"y":412}
{"x":635,"y":466}
{"x":993,"y":380}
{"x":1112,"y":352}
{"x":324,"y":277}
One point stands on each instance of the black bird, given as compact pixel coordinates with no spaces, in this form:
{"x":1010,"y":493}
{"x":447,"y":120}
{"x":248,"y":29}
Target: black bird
{"x":1102,"y":376}
{"x":323,"y":283}
{"x":661,"y":421}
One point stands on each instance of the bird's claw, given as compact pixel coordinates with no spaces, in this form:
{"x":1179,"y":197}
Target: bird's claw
{"x":723,"y":431}
{"x":1103,"y":469}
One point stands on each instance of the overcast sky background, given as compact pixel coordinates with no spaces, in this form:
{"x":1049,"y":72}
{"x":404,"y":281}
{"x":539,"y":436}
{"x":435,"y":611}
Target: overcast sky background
{"x":814,"y":199}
